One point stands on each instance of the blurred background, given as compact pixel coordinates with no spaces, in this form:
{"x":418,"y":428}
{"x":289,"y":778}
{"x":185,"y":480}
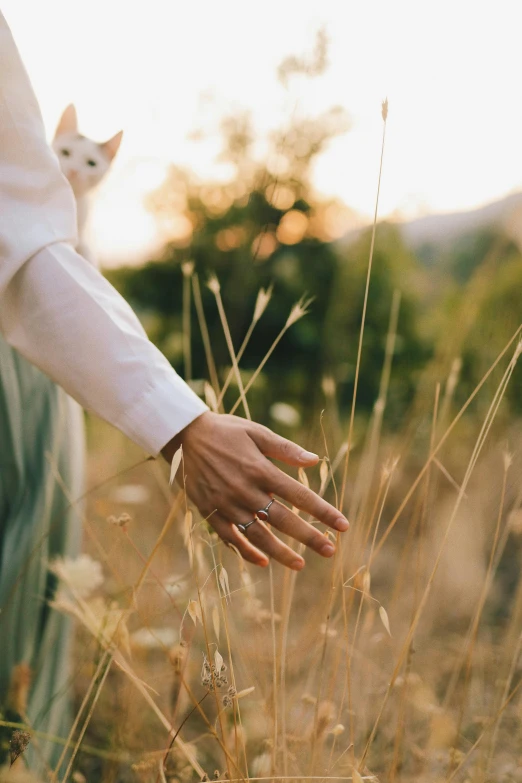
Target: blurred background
{"x":251,"y":147}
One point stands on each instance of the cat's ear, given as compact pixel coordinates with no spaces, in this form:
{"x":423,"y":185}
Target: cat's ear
{"x":112,"y":146}
{"x":68,"y":122}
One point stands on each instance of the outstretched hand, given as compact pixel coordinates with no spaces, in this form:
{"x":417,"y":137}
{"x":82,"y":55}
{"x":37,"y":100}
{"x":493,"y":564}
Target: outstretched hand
{"x":228,"y":477}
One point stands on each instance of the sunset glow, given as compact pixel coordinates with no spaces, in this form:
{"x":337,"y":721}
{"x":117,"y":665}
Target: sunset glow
{"x":450,"y":71}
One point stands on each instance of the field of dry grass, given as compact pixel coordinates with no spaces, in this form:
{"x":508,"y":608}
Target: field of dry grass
{"x":397,"y":660}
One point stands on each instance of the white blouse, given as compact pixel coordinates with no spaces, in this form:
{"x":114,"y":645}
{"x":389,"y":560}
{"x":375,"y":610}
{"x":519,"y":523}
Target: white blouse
{"x":55,"y":308}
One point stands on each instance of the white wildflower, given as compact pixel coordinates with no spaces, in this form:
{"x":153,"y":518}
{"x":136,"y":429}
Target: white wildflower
{"x":133,"y":494}
{"x":106,"y":622}
{"x":324,"y":630}
{"x":261,"y":765}
{"x":153,"y":638}
{"x":121,"y":521}
{"x":82,"y":574}
{"x":175,"y":586}
{"x":285,"y":414}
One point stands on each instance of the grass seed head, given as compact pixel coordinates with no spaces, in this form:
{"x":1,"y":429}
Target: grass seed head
{"x":337,"y":730}
{"x":19,"y":742}
{"x":210,"y":397}
{"x":453,"y":377}
{"x":508,"y":460}
{"x":298,"y":311}
{"x":325,"y":715}
{"x":187,"y":268}
{"x":262,"y":301}
{"x":213,"y":285}
{"x":120,"y":521}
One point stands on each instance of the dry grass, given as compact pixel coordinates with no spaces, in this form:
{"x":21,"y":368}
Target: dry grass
{"x":398,"y":660}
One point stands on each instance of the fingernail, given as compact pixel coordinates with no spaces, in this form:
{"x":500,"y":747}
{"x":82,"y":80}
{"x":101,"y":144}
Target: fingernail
{"x":297,"y":564}
{"x":308,"y":456}
{"x":342,"y":524}
{"x":262,"y":563}
{"x":327,"y":549}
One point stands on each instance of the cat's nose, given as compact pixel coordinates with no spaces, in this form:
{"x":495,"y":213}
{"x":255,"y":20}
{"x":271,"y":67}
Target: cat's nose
{"x":73,"y":174}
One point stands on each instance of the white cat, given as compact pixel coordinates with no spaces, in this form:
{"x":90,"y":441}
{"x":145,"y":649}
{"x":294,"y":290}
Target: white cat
{"x":85,"y":163}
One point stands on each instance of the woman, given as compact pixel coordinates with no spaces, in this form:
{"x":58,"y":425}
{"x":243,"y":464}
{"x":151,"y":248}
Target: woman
{"x":68,"y":332}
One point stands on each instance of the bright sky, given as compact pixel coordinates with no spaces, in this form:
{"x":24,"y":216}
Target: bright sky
{"x":451,"y":70}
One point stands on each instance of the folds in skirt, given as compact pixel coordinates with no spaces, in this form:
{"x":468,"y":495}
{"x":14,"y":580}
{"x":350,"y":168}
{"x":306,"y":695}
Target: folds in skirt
{"x":41,"y":434}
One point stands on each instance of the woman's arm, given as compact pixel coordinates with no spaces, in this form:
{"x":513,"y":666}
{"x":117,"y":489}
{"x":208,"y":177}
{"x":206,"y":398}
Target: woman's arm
{"x":55,"y":309}
{"x":64,"y":317}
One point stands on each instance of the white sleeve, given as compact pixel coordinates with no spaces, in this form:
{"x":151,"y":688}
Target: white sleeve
{"x":57,"y":310}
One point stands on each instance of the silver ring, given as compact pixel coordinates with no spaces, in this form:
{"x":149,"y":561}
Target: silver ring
{"x":263,"y":514}
{"x":243,"y":528}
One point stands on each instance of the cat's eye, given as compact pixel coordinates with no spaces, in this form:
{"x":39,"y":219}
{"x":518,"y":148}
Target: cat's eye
{"x":91,"y":163}
{"x":65,"y":153}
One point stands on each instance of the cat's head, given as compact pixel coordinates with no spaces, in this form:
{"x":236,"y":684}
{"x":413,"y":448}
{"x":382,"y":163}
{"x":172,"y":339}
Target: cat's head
{"x":83,"y":161}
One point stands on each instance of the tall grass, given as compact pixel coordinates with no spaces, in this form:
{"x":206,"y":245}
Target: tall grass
{"x":381,"y":664}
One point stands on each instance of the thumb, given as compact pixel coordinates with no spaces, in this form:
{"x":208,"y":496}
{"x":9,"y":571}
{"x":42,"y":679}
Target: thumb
{"x":272,"y":445}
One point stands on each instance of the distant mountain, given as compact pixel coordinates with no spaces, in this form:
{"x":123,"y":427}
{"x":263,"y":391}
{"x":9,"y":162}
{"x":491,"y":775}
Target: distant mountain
{"x":442,"y":229}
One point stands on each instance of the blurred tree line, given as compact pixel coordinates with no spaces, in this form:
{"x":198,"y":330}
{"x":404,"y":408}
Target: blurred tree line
{"x":478,"y":309}
{"x":265,"y":227}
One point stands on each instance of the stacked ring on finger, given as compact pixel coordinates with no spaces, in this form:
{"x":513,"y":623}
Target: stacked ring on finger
{"x":262,"y":515}
{"x":243,"y":528}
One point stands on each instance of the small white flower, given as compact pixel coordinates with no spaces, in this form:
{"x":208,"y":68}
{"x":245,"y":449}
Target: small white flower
{"x":261,"y":765}
{"x":132,"y":494}
{"x":153,"y":638}
{"x":174,"y":589}
{"x":121,"y":521}
{"x":82,"y":574}
{"x":285,"y":414}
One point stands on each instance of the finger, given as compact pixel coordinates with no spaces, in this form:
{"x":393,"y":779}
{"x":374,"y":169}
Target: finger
{"x":288,"y":522}
{"x":263,"y":538}
{"x":303,"y":498}
{"x":230,"y":534}
{"x":276,"y":447}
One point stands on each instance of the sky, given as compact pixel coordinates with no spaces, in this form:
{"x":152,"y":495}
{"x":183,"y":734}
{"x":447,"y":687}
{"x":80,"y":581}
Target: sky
{"x":159,"y":69}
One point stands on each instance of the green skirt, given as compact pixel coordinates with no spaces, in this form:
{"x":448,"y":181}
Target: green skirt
{"x":41,"y":434}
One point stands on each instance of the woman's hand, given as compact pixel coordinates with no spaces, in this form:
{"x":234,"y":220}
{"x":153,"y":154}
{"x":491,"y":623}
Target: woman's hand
{"x":229,"y":478}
